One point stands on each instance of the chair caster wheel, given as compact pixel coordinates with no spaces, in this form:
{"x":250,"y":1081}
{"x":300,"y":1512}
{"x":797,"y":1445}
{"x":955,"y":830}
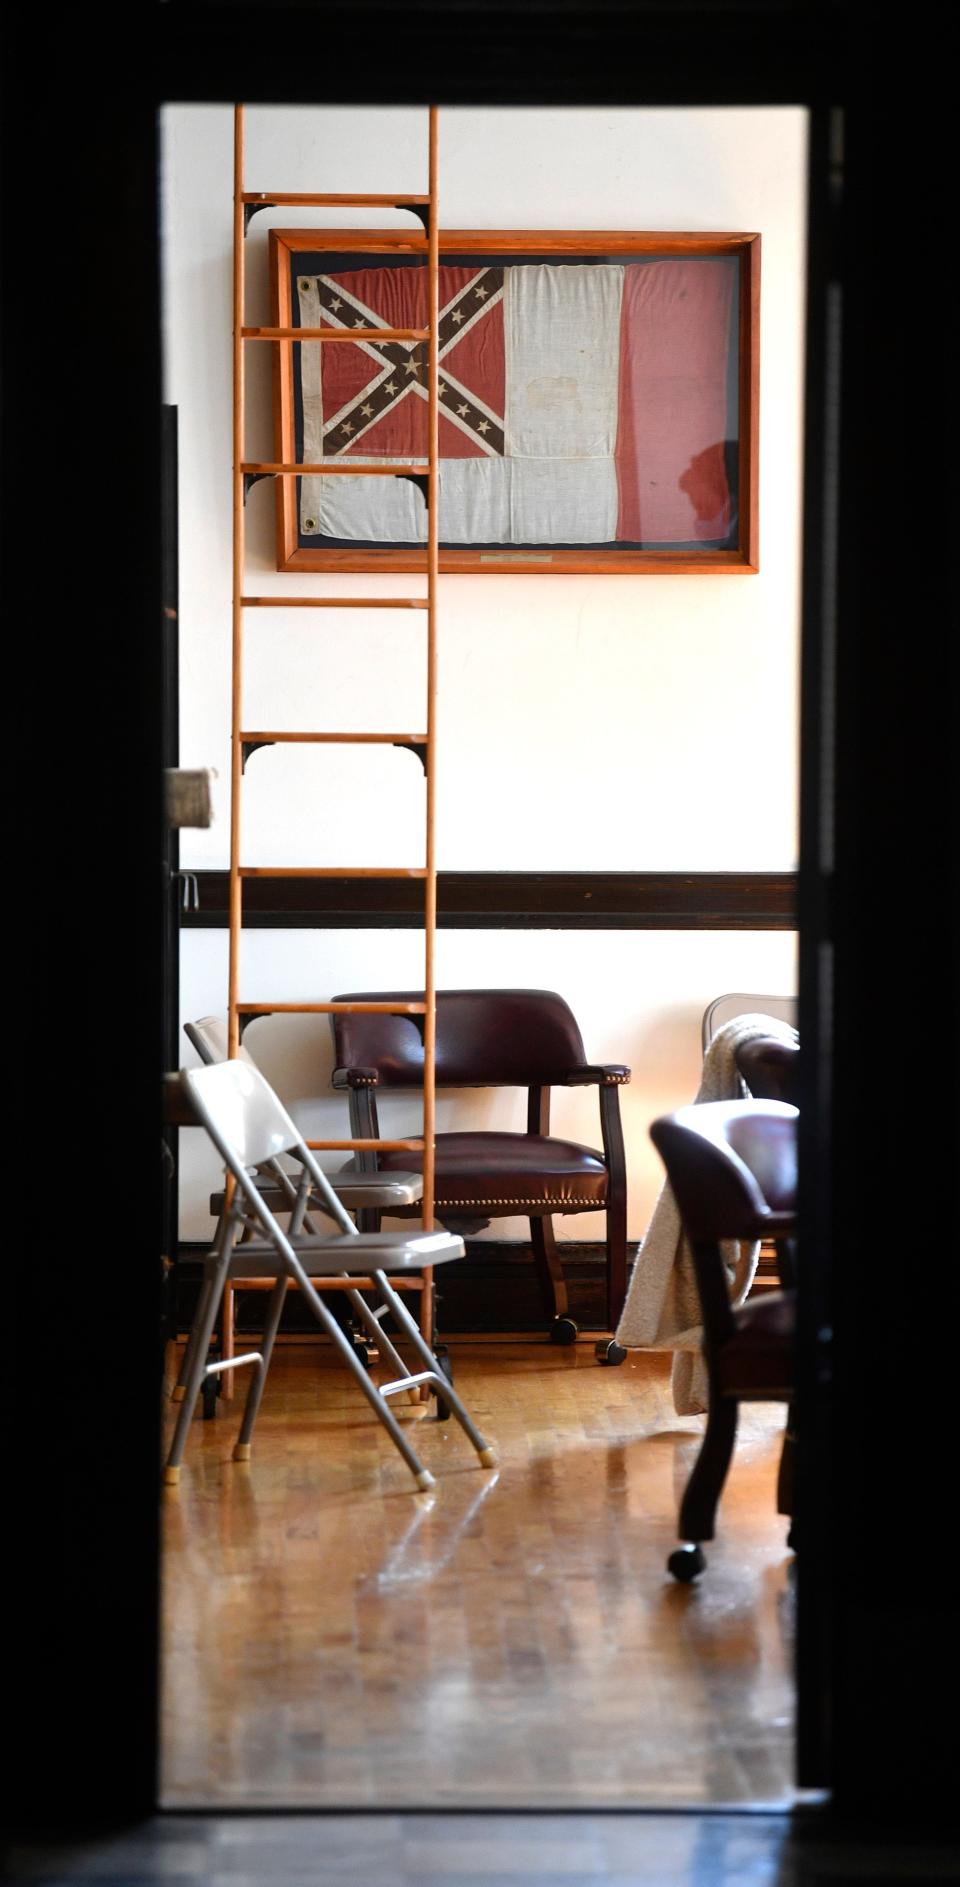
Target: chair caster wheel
{"x":366,"y":1352}
{"x":685,"y":1563}
{"x":563,"y":1330}
{"x":609,"y":1351}
{"x":441,"y":1357}
{"x":209,"y":1391}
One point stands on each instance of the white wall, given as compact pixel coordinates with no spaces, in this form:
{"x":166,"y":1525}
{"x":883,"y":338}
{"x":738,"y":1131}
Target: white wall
{"x":560,"y":696}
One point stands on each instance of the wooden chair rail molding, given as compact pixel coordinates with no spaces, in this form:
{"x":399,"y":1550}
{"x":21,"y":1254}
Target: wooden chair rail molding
{"x":478,"y":900}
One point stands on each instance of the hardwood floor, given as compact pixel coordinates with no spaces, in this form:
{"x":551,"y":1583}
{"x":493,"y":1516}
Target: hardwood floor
{"x":512,"y":1640}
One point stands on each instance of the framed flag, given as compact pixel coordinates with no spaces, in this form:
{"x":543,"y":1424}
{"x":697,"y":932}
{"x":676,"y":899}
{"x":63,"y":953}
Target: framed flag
{"x":598,"y":400}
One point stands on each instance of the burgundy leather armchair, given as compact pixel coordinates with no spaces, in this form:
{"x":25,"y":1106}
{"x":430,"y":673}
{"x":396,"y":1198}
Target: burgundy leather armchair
{"x":732,"y":1166}
{"x":499,"y":1038}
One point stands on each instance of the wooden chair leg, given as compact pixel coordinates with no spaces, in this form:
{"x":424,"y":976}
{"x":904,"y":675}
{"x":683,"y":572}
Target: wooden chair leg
{"x":702,"y":1493}
{"x":786,"y":1478}
{"x":228,"y":1338}
{"x":616,"y":1202}
{"x":553,"y":1285}
{"x":616,"y":1259}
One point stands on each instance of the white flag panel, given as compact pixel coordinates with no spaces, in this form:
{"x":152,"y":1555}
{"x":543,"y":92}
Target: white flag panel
{"x":562,"y":341}
{"x":482,"y":501}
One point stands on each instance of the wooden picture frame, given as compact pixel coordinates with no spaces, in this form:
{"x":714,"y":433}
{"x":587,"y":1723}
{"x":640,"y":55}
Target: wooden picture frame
{"x":674,"y":343}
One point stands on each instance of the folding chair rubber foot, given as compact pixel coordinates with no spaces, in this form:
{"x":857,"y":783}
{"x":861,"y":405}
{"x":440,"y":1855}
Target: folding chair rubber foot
{"x":178,"y":1392}
{"x":488,"y":1457}
{"x":171,"y":1477}
{"x":242,"y":1450}
{"x":425,"y":1480}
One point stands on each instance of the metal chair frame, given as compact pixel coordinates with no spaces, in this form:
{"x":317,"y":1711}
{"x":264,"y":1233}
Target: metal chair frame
{"x":249,"y":1127}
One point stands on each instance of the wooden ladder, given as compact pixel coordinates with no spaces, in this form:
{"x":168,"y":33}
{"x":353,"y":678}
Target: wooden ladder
{"x":245,"y":739}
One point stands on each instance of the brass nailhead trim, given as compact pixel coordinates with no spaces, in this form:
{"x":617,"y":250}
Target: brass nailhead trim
{"x":532,"y":1199}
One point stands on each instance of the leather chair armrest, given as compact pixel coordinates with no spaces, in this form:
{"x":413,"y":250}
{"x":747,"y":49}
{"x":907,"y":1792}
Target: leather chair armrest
{"x":605,"y":1075}
{"x":355,"y":1077}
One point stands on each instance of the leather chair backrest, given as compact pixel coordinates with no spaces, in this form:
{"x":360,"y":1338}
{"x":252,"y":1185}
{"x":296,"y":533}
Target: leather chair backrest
{"x":770,"y":1068}
{"x":485,"y":1038}
{"x":730,"y":1164}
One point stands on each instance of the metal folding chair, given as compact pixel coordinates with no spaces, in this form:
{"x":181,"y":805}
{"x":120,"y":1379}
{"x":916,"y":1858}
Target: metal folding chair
{"x":383,"y":1192}
{"x":736,"y":1003}
{"x":249,"y":1127}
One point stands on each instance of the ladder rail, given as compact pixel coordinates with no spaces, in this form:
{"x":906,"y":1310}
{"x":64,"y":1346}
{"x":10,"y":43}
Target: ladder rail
{"x":239,"y":566}
{"x":433,"y":527}
{"x":426,"y":470}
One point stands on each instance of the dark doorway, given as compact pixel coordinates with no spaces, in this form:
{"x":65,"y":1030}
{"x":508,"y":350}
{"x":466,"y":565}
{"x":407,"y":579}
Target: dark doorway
{"x":879,"y":869}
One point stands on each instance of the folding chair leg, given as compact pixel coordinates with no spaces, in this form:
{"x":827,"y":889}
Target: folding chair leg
{"x":188,"y":1354}
{"x":196,"y":1364}
{"x":242,"y":1446}
{"x":445,"y":1389}
{"x":378,"y":1403}
{"x":378,"y":1335}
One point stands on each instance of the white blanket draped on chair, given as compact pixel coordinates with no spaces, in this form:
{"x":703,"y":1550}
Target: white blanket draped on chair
{"x":662,"y":1308}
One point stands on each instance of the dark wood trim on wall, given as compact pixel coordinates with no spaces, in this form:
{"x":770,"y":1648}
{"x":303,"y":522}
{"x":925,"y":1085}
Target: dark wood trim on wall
{"x":509,"y":900}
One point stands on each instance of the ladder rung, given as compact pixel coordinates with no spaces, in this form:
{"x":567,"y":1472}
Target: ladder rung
{"x":364,"y":1146}
{"x":347,"y":739}
{"x":332,"y":871}
{"x":331,"y":1008}
{"x":335,"y":334}
{"x":280,"y":199}
{"x":408,"y":240}
{"x":334,"y":602}
{"x":337,"y":469}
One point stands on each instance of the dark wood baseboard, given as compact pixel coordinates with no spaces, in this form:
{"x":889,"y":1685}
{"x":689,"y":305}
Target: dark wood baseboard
{"x":494,"y":1289}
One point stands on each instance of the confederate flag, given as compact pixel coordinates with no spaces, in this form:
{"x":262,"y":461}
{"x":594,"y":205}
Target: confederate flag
{"x":579,"y":403}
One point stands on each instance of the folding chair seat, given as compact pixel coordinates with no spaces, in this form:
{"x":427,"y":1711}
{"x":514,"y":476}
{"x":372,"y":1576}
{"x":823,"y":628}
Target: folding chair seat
{"x":249,"y":1127}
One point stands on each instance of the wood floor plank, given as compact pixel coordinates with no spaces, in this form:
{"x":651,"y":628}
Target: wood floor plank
{"x":511,"y":1640}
